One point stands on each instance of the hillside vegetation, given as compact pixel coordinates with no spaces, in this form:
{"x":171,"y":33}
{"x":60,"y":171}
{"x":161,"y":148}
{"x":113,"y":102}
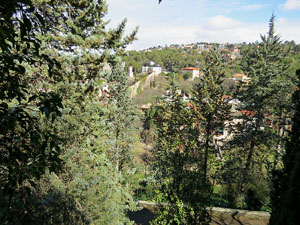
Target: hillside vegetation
{"x":75,"y":148}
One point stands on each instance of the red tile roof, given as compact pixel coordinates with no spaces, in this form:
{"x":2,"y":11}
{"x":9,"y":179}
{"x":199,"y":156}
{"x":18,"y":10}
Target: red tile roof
{"x":226,"y":97}
{"x":191,"y":68}
{"x":253,"y":113}
{"x":238,"y":75}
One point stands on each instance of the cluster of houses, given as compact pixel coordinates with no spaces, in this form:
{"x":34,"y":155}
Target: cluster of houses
{"x":224,"y":134}
{"x":152,"y":67}
{"x":228,"y":51}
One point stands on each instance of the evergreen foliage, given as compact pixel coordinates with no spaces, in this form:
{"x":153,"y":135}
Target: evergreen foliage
{"x":67,"y":123}
{"x":286,"y":194}
{"x":210,"y":111}
{"x":53,"y":124}
{"x":255,"y":134}
{"x":121,"y":120}
{"x":29,"y":145}
{"x":179,"y":162}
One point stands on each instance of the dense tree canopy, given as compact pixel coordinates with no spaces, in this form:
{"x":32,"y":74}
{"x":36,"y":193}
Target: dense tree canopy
{"x":285,"y":196}
{"x":67,"y":124}
{"x":58,"y":140}
{"x":178,"y":162}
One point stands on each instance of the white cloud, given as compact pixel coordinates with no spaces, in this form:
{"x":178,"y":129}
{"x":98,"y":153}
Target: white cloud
{"x":288,"y":29}
{"x":130,"y":5}
{"x":252,"y":7}
{"x":233,"y":32}
{"x":291,"y":5}
{"x":162,"y":35}
{"x":221,"y":21}
{"x":175,"y":22}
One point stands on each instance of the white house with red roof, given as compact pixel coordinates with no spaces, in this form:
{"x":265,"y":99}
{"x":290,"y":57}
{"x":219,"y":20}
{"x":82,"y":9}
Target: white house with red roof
{"x":240,"y":77}
{"x":195,"y":71}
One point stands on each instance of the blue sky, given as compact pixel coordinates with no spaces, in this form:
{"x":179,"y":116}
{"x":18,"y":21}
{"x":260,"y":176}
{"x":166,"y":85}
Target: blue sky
{"x":188,"y":21}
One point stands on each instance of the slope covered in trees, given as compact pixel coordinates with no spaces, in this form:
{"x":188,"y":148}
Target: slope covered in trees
{"x":68,"y":126}
{"x":189,"y":130}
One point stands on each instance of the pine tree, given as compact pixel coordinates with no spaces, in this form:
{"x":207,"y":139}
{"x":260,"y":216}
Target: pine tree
{"x":121,"y":119}
{"x":95,"y":137}
{"x":64,"y":122}
{"x":255,"y":138}
{"x":209,"y":110}
{"x":286,"y":194}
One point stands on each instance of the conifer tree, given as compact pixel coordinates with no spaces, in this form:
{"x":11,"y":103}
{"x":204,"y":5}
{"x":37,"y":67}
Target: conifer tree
{"x":286,"y":193}
{"x":64,"y":119}
{"x":178,"y":164}
{"x":122,"y":118}
{"x":95,"y":142}
{"x":209,"y":110}
{"x":255,"y":136}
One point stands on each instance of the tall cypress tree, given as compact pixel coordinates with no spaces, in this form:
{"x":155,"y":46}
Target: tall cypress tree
{"x":268,"y":77}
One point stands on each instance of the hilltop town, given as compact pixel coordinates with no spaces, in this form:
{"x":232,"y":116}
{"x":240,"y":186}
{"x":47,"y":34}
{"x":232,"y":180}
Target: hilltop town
{"x":184,"y":61}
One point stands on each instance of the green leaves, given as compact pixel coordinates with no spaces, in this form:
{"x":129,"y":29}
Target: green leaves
{"x":285,"y":194}
{"x":178,"y":163}
{"x":43,"y":70}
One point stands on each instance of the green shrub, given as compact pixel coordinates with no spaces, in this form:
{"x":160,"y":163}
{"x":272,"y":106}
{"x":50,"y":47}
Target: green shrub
{"x":187,"y":76}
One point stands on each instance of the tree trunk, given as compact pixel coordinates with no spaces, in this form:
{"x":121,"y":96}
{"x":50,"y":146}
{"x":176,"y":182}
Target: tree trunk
{"x":208,"y":131}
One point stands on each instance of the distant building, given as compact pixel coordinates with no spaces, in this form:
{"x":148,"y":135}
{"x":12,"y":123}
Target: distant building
{"x":240,"y":77}
{"x":190,"y":46}
{"x":234,"y":104}
{"x":104,"y":92}
{"x":195,"y":71}
{"x":226,"y":98}
{"x":201,"y":46}
{"x":222,"y":46}
{"x":150,"y":67}
{"x":235,"y":49}
{"x":130,"y":72}
{"x":145,"y":107}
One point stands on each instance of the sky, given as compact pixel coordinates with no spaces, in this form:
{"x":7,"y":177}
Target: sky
{"x":191,"y":21}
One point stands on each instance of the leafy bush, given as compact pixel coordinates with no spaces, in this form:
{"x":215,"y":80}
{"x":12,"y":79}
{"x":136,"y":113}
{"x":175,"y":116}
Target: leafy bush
{"x":187,"y":75}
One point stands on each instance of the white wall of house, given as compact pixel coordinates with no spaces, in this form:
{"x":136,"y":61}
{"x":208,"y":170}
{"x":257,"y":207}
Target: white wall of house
{"x":155,"y":69}
{"x":196,"y":73}
{"x":243,"y":78}
{"x":130,"y":72}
